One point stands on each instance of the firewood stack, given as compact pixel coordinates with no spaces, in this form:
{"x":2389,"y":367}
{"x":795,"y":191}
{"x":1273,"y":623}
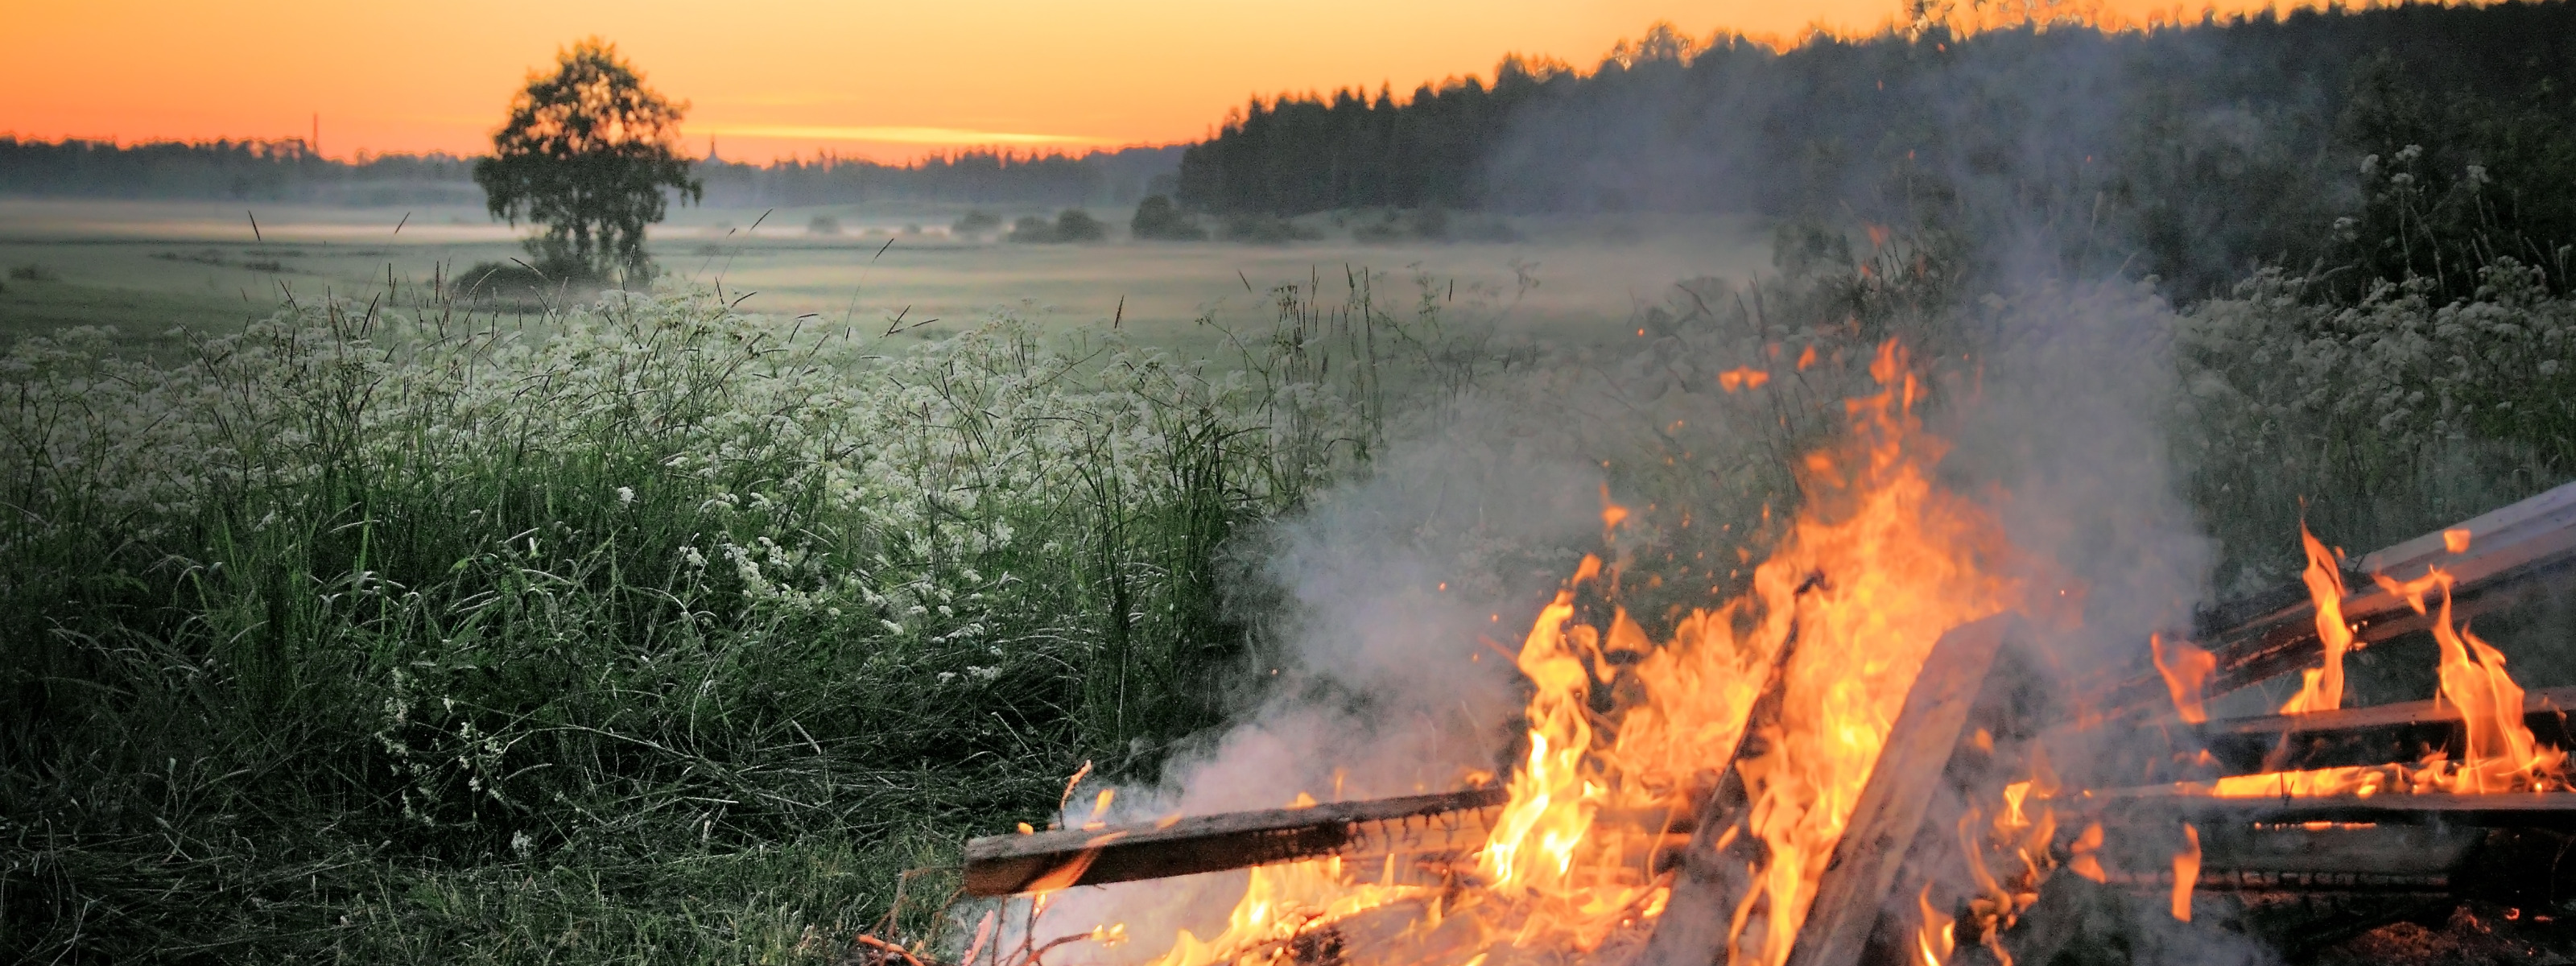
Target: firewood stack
{"x":2125,"y":780}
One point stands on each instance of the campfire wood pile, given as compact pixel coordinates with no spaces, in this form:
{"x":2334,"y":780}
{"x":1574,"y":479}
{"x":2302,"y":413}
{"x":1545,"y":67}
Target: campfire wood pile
{"x":2132,"y":795}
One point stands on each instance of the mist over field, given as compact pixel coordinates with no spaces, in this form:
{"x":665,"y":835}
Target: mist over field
{"x":381,"y":591}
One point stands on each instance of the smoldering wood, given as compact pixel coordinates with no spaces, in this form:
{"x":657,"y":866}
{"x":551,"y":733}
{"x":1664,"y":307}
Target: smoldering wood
{"x":2071,"y":909}
{"x":2376,"y":735}
{"x":1968,"y":723}
{"x":1000,"y":865}
{"x":2512,"y":552}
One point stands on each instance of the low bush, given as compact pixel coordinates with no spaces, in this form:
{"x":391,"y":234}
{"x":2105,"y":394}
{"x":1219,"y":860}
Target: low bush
{"x":974,"y":223}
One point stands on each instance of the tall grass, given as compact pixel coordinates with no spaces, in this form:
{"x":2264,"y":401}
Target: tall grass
{"x":646,"y":631}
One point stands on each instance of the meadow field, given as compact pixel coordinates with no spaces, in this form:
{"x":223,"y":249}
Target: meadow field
{"x":144,"y":266}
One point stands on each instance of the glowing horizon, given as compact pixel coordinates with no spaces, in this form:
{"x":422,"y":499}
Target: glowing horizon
{"x":795,"y":78}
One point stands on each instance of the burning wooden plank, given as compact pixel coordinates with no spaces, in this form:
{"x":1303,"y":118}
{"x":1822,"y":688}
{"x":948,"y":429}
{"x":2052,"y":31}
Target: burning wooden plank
{"x":1968,"y":723}
{"x":2506,"y":552}
{"x":1009,"y":864}
{"x":2193,"y":804}
{"x":2376,"y":735}
{"x":1715,"y":869}
{"x":1971,"y":709}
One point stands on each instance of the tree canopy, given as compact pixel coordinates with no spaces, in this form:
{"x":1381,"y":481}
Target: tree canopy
{"x":587,"y":152}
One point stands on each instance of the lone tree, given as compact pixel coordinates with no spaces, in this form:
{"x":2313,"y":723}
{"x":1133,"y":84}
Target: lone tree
{"x":587,"y":153}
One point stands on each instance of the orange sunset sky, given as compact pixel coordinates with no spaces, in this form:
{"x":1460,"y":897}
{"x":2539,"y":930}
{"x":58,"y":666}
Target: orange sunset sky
{"x":776,"y":77}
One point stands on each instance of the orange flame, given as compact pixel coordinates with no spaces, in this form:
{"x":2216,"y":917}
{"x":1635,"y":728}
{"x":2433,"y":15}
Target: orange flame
{"x":1282,"y":902}
{"x":2323,"y":690}
{"x":2186,"y":867}
{"x":1937,"y":937}
{"x":2085,"y":859}
{"x":2500,"y":753}
{"x":2186,"y":672}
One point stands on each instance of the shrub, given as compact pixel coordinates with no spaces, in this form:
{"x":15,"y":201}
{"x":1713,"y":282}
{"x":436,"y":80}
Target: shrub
{"x":1031,"y":229}
{"x":823,"y":225}
{"x":974,"y":224}
{"x":1158,"y":219}
{"x":34,"y":273}
{"x":1077,"y":225}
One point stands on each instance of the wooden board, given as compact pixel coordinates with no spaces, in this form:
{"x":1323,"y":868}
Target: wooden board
{"x":1007,"y":864}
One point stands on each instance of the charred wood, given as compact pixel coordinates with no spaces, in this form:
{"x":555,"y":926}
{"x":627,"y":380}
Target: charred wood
{"x":1008,"y":864}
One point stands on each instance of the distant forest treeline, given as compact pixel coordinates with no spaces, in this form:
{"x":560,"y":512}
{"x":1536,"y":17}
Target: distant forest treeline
{"x":287,"y":171}
{"x":2203,"y":147}
{"x":1120,"y":177}
{"x":284,"y":170}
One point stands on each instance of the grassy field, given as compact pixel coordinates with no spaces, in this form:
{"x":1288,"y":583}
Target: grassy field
{"x":143,"y":267}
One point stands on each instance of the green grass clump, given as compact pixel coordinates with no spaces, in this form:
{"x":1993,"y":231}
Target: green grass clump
{"x":651,"y":632}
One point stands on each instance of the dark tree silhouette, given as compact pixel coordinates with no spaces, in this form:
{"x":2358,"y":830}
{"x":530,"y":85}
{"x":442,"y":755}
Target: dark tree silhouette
{"x":586,"y":153}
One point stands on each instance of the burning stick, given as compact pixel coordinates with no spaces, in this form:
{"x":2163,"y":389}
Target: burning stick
{"x":1001,"y":865}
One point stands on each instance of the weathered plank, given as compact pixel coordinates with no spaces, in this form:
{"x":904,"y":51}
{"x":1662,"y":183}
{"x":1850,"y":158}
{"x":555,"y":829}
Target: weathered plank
{"x":1008,"y":864}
